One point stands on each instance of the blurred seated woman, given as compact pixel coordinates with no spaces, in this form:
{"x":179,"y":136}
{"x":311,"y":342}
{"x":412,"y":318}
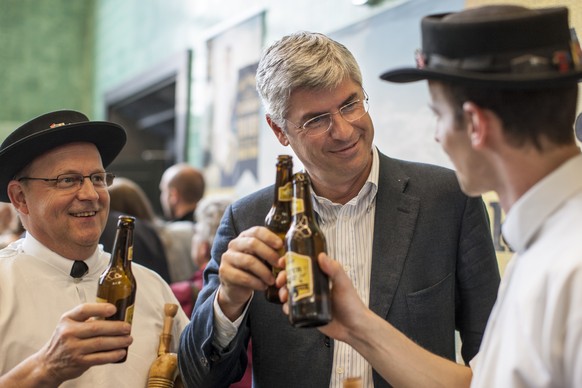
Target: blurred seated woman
{"x":208,"y":215}
{"x":127,"y":197}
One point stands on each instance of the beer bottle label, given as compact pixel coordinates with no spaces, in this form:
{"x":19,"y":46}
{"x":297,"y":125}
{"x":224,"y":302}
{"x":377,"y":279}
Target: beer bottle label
{"x":286,"y":192}
{"x":101,"y":300}
{"x":297,"y":206}
{"x":299,"y":276}
{"x":129,"y":314}
{"x":130,"y":253}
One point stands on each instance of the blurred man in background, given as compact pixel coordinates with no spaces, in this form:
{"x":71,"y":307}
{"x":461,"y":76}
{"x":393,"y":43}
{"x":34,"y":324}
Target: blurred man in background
{"x":181,"y":188}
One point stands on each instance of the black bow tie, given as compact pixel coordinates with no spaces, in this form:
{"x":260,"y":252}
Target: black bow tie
{"x":79,"y":269}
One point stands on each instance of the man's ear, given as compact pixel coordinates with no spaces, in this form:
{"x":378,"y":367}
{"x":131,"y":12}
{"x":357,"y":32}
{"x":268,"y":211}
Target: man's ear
{"x":17,"y":196}
{"x":478,"y":123}
{"x":173,"y":196}
{"x":278,"y":131}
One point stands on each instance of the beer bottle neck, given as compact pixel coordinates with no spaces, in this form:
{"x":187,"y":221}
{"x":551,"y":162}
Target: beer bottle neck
{"x":302,"y":205}
{"x":283,"y":183}
{"x":122,"y":252}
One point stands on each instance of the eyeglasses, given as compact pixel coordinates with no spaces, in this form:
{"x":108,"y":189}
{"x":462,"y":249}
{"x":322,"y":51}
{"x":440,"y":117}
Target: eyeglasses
{"x":99,"y":180}
{"x":320,"y":124}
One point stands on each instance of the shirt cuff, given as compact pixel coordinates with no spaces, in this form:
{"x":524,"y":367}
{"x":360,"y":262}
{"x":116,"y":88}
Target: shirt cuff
{"x":224,"y":329}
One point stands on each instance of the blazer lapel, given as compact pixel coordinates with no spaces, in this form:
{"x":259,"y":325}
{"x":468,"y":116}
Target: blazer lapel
{"x":395,"y":218}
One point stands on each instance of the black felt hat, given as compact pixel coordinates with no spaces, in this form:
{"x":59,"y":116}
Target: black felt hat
{"x":51,"y":130}
{"x":500,"y":46}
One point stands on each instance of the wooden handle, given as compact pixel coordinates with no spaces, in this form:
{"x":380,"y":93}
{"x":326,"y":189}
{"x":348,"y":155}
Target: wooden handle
{"x":170,"y":310}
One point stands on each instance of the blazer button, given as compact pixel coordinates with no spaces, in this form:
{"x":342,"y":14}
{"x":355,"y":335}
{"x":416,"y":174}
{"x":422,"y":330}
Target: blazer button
{"x":327,"y":342}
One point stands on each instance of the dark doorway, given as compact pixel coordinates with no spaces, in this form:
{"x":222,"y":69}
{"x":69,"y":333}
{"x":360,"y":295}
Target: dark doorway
{"x":153,"y":108}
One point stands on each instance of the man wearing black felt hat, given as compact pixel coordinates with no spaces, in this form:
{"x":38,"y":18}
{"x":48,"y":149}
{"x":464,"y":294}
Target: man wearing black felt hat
{"x":53,"y":173}
{"x":503,"y":84}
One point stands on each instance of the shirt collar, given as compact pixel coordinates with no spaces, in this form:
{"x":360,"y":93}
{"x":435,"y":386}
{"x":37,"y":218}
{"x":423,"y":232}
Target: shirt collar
{"x":33,"y":247}
{"x":532,"y":209}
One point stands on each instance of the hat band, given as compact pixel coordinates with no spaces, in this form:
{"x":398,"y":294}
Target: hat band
{"x":561,"y":61}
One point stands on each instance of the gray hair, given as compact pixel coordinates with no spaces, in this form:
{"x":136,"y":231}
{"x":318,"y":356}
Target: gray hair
{"x":302,"y":60}
{"x":208,"y":214}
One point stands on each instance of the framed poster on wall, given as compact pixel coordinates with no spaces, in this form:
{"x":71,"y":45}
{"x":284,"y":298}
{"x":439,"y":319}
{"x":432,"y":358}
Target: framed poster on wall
{"x":231,"y":128}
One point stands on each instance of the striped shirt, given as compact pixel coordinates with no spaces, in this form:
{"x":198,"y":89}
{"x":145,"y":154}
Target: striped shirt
{"x":349,"y":232}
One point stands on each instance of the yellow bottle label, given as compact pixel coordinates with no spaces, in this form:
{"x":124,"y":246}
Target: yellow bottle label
{"x":297,"y":206}
{"x":129,"y":314}
{"x":299,"y":276}
{"x":286,"y":192}
{"x":130,"y":253}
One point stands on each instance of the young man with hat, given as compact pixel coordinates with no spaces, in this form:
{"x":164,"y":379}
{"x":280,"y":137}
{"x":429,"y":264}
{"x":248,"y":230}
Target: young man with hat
{"x":503,"y":84}
{"x":53,"y":172}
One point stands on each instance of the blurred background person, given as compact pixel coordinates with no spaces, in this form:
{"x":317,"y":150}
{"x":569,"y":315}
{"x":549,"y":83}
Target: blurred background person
{"x":11,"y":228}
{"x":208,"y":213}
{"x":127,"y":197}
{"x":181,"y":188}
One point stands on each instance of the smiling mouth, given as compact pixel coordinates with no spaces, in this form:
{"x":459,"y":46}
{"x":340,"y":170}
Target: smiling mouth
{"x":84,"y":214}
{"x":349,"y":147}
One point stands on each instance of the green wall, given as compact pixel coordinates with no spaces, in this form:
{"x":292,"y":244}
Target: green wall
{"x":58,"y":54}
{"x":46,"y":58}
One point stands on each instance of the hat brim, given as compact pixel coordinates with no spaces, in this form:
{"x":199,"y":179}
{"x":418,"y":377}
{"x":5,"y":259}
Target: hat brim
{"x":109,"y":138}
{"x":498,"y":81}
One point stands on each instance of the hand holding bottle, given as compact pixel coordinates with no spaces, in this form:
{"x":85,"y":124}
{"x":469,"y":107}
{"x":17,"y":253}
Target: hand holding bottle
{"x":242,"y":269}
{"x":348,"y":309}
{"x":79,"y":342}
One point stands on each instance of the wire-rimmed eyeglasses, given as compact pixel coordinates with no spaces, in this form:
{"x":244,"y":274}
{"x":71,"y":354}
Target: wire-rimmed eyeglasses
{"x":100,"y":180}
{"x":350,"y":112}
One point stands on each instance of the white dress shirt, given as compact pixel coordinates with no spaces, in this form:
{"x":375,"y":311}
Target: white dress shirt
{"x":36,"y":289}
{"x":534,"y":334}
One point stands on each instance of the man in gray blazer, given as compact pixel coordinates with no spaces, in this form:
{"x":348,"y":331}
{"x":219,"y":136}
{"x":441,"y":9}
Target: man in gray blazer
{"x":417,"y":249}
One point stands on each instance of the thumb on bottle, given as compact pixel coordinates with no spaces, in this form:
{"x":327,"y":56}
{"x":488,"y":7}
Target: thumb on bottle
{"x":326,"y":264}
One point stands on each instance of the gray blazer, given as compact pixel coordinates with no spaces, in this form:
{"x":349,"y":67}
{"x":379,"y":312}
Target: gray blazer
{"x":434,"y":270}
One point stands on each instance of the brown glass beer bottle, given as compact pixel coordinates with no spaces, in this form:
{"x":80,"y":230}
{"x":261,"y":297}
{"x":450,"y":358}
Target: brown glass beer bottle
{"x":352,"y":382}
{"x":117,"y":284}
{"x":309,"y":299}
{"x":278,"y":219}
